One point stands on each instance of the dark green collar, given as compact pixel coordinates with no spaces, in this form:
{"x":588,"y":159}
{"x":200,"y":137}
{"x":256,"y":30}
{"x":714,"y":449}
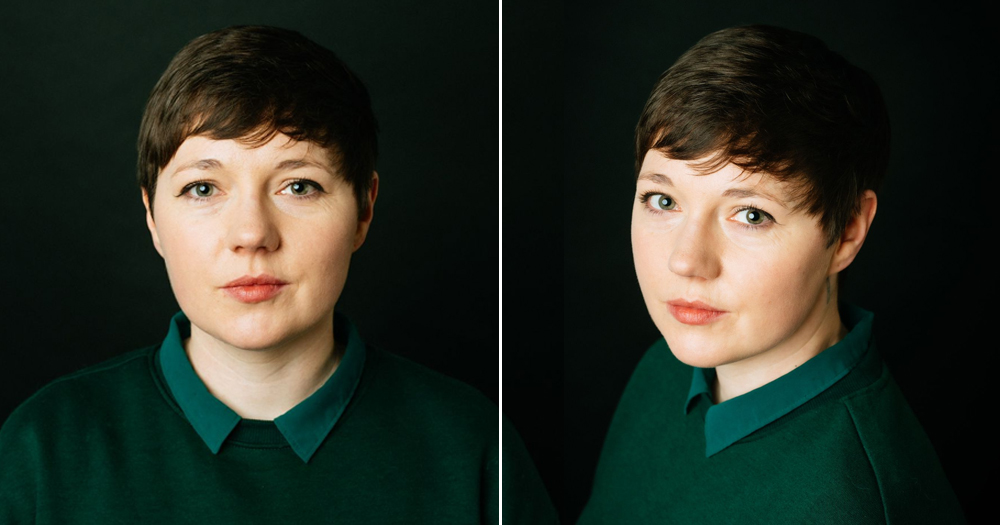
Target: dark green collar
{"x":305,"y":426}
{"x":734,"y":419}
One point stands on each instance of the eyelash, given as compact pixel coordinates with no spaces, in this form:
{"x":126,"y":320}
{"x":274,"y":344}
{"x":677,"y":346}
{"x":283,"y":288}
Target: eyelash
{"x":769,"y":219}
{"x":315,"y":185}
{"x":644,"y":198}
{"x":187,"y":190}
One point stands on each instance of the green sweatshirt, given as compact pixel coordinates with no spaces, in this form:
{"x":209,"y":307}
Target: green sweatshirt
{"x":833,"y":441}
{"x":139,"y":439}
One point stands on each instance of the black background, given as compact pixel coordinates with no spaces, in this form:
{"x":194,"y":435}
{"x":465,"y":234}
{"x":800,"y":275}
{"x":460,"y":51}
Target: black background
{"x":921,"y":270}
{"x":80,"y":279}
{"x":533,"y":233}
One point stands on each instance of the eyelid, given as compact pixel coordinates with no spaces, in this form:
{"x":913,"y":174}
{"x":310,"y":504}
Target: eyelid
{"x":644,"y":198}
{"x":317,"y":187}
{"x":191,"y":185}
{"x":768,"y":218}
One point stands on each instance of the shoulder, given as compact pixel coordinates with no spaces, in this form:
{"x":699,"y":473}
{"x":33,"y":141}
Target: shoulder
{"x":408,"y":390}
{"x":654,"y":394}
{"x":910,"y":479}
{"x":435,"y":388}
{"x":55,"y":418}
{"x":92,"y":388}
{"x":658,"y":378}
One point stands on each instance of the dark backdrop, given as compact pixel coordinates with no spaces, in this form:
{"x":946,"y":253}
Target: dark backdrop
{"x":921,"y":269}
{"x":80,"y":279}
{"x":533,"y":232}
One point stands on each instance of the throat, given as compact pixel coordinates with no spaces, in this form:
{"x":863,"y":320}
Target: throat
{"x":262,"y":388}
{"x":739,"y":377}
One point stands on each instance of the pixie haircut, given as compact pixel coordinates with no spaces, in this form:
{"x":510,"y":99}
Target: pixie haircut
{"x":250,"y":83}
{"x":777,"y":102}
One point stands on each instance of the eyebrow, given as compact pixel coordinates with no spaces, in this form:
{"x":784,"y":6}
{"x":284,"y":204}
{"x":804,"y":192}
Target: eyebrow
{"x":293,"y":164}
{"x":737,"y":193}
{"x":203,"y":164}
{"x":751,"y":192}
{"x":658,"y":178}
{"x":288,"y":164}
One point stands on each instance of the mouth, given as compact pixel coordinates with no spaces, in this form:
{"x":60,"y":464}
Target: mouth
{"x":252,"y":290}
{"x":694,"y":312}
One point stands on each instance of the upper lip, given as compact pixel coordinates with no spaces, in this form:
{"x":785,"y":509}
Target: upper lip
{"x":693,"y":304}
{"x":260,"y":280}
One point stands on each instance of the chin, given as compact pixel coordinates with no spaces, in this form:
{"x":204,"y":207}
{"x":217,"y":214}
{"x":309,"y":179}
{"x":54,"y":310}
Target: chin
{"x":697,"y":358}
{"x":253,"y":342}
{"x":695,"y":349}
{"x":254,"y":332}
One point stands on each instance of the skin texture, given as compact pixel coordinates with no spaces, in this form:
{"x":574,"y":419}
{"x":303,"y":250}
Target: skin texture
{"x":225,"y":210}
{"x":693,"y":240}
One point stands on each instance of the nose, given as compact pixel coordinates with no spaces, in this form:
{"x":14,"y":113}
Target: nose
{"x":696,"y":251}
{"x":252,"y":226}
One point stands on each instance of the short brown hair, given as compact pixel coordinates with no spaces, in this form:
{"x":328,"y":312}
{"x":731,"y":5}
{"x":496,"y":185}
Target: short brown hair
{"x":779,"y":102}
{"x":250,"y":83}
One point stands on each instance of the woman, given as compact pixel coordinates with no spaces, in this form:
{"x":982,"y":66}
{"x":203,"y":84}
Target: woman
{"x":758,"y":155}
{"x":262,"y":405}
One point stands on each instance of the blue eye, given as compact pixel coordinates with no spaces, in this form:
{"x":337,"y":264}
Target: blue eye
{"x":199,"y":190}
{"x":661,"y":202}
{"x":301,"y":188}
{"x":753,"y":216}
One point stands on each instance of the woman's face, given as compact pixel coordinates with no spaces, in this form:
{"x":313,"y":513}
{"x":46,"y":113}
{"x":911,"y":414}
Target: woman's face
{"x":256,"y":240}
{"x":727,"y":268}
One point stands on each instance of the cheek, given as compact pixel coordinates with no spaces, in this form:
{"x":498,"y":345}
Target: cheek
{"x":648,"y":251}
{"x":653,"y":243}
{"x":327,"y":247}
{"x":187,"y":252}
{"x":777,"y":283}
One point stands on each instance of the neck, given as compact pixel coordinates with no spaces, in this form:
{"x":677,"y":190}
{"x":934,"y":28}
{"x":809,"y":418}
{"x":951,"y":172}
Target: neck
{"x":264,"y":384}
{"x":820,"y":330}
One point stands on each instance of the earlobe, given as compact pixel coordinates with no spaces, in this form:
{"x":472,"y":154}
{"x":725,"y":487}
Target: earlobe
{"x":855,"y":233}
{"x":365,"y":221}
{"x":150,"y":224}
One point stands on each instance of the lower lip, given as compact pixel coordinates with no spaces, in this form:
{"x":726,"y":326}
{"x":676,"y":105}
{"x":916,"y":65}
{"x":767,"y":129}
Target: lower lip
{"x":257,"y":293}
{"x":695,"y":316}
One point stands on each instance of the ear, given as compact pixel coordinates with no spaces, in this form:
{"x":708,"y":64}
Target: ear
{"x":150,"y":224}
{"x":365,"y":221}
{"x":854,"y":234}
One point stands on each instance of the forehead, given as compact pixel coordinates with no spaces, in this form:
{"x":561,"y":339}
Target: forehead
{"x":204,"y":152}
{"x":277,"y":145}
{"x":729,"y":180}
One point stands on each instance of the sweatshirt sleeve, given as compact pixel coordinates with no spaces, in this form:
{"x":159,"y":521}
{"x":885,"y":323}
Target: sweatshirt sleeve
{"x":525,"y":500}
{"x":912,"y":484}
{"x":19,"y":470}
